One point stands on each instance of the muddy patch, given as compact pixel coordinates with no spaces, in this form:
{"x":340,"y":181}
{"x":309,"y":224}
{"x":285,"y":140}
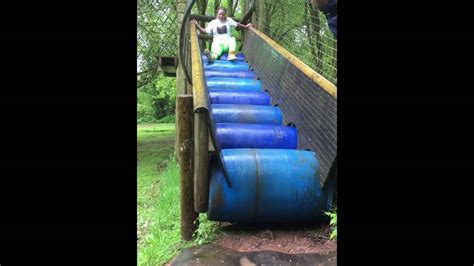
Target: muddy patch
{"x":212,"y":254}
{"x":286,"y":239}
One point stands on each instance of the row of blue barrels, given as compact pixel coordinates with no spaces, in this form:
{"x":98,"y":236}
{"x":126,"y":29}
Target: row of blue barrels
{"x":245,"y":74}
{"x":271,"y":180}
{"x":249,"y":114}
{"x":226,"y":65}
{"x":233,"y":84}
{"x":229,"y":96}
{"x":239,"y":57}
{"x":257,"y":136}
{"x":246,"y":120}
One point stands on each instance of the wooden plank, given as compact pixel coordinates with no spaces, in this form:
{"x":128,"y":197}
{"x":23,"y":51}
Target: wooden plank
{"x":185,"y":122}
{"x":181,"y":84}
{"x":201,"y":159}
{"x":199,"y":89}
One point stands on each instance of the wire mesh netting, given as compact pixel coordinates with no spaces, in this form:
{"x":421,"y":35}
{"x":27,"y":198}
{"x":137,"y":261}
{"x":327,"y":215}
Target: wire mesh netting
{"x":302,"y":29}
{"x":295,"y":24}
{"x":157,"y":27}
{"x":303,"y":102}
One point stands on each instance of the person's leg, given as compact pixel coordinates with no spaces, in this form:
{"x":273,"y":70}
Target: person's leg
{"x":232,"y":46}
{"x":225,"y":47}
{"x":217,"y":49}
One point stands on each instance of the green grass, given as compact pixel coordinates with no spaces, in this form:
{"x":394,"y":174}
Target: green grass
{"x":158,"y":216}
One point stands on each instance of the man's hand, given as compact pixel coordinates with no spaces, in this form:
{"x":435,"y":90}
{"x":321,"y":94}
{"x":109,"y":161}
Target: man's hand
{"x":248,"y":25}
{"x":320,"y":4}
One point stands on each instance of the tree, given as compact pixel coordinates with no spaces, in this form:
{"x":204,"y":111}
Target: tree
{"x":156,"y":35}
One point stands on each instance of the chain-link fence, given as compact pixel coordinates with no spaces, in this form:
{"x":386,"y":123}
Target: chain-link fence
{"x":302,"y":29}
{"x":304,"y":103}
{"x":157,"y":26}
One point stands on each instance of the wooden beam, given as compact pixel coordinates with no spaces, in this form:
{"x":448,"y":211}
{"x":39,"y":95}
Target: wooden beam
{"x":185,"y":139}
{"x":181,"y":84}
{"x":201,"y":128}
{"x":201,"y":159}
{"x":199,"y":89}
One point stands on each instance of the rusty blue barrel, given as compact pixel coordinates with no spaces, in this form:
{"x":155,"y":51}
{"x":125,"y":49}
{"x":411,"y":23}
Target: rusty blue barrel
{"x":250,"y":114}
{"x":229,"y":74}
{"x":268,"y":186}
{"x":233,"y":84}
{"x":226,"y":65}
{"x":239,"y":97}
{"x":234,"y":136}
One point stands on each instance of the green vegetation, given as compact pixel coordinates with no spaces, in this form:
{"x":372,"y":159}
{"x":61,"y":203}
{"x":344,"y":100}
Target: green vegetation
{"x":156,"y":101}
{"x":333,"y":216}
{"x":207,"y":230}
{"x":303,"y":31}
{"x":158,"y":216}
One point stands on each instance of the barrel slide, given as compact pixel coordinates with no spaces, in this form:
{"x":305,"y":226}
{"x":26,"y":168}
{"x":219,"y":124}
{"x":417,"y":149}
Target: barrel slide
{"x":272,"y":181}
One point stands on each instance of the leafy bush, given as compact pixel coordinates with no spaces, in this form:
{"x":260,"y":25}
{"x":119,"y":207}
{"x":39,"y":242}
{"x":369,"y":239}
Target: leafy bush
{"x":156,"y":101}
{"x":206,"y":231}
{"x":167,"y":119}
{"x":333,"y":216}
{"x":145,"y":110}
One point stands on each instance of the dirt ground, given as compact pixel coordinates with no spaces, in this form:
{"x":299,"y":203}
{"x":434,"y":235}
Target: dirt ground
{"x":277,"y":245}
{"x":286,"y":239}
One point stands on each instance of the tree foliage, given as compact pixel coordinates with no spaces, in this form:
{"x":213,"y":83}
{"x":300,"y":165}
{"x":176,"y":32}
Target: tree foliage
{"x":156,"y":100}
{"x":302,"y":30}
{"x":156,"y":36}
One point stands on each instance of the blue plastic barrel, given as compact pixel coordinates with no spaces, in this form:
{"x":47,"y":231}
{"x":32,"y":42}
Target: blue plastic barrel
{"x":268,"y":186}
{"x":233,"y":84}
{"x":239,"y":97}
{"x":234,"y":136}
{"x":226,"y":65}
{"x":240,"y":56}
{"x":229,"y":74}
{"x":250,"y":114}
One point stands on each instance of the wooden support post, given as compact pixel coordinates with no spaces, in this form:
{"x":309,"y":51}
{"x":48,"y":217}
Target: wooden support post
{"x":185,"y":122}
{"x":201,"y":159}
{"x":181,"y":85}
